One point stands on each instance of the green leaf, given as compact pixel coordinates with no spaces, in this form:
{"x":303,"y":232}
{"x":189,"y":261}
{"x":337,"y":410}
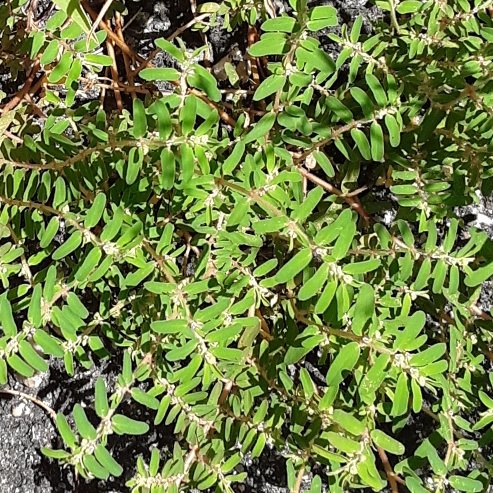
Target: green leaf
{"x":32,"y":357}
{"x":48,"y":343}
{"x":166,"y":74}
{"x":75,"y":11}
{"x":104,"y":60}
{"x":409,"y":6}
{"x":135,"y":160}
{"x":234,"y":158}
{"x":168,"y":169}
{"x":363,"y":100}
{"x":169,"y":326}
{"x":362,"y":143}
{"x":364,"y":308}
{"x":377,"y":142}
{"x":315,"y":283}
{"x":169,"y":47}
{"x":145,"y":399}
{"x":376,"y":89}
{"x":84,"y":427}
{"x":394,"y":130}
{"x":188,"y":115}
{"x":68,"y":247}
{"x":56,"y":20}
{"x":107,"y":461}
{"x":272,"y":44}
{"x":401,"y":396}
{"x":140,"y":119}
{"x":345,"y":361}
{"x":344,"y":241}
{"x":95,"y":212}
{"x":202,"y":79}
{"x":325,"y":298}
{"x":374,"y":378}
{"x":65,"y":431}
{"x":7,"y":322}
{"x":280,"y":24}
{"x":463,"y":483}
{"x":339,"y":109}
{"x":261,"y":129}
{"x":239,"y":212}
{"x":94,"y":467}
{"x":405,"y":338}
{"x":62,"y":68}
{"x":20,"y":366}
{"x":322,"y":17}
{"x":294,"y":266}
{"x":50,"y":52}
{"x":348,"y":422}
{"x":126,"y":426}
{"x":479,"y":276}
{"x":88,"y":265}
{"x":101,"y":399}
{"x":356,"y":29}
{"x":387,"y":443}
{"x":269,"y":86}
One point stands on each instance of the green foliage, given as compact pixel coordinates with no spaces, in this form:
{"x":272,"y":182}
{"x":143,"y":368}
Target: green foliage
{"x":216,"y":264}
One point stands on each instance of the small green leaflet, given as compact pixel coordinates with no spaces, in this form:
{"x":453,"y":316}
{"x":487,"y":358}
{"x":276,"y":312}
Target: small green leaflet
{"x":377,"y":142}
{"x":387,"y":443}
{"x":269,"y":86}
{"x":140,"y":119}
{"x":345,"y":360}
{"x":200,"y":78}
{"x":261,"y":128}
{"x":95,"y":213}
{"x":107,"y":461}
{"x":315,"y":283}
{"x":7,"y":322}
{"x":84,"y":427}
{"x":135,"y":160}
{"x":169,"y":74}
{"x":479,"y":276}
{"x":104,"y":60}
{"x":75,"y":11}
{"x":68,"y":247}
{"x":127,"y":426}
{"x":294,"y":266}
{"x":406,"y":337}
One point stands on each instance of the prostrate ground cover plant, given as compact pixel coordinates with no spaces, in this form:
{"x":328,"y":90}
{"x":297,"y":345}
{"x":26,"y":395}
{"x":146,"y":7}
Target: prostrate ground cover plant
{"x":219,"y":248}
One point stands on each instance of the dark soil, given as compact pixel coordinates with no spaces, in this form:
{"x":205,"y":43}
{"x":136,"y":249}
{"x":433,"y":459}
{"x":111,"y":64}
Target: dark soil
{"x":25,"y":427}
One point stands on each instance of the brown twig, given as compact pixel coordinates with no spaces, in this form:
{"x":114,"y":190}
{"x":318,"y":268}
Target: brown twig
{"x":25,"y":89}
{"x":114,"y":73}
{"x":125,"y":48}
{"x":99,"y":18}
{"x":388,"y":470}
{"x":126,"y":58}
{"x":353,"y":202}
{"x":121,"y":44}
{"x":31,"y":398}
{"x":13,"y":137}
{"x":103,"y":88}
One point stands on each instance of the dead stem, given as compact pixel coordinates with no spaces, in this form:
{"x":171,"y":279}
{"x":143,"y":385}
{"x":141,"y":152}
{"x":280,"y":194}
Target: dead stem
{"x":126,"y":58}
{"x":388,"y":470}
{"x":99,"y":18}
{"x":114,"y":73}
{"x":31,"y":398}
{"x":299,"y":478}
{"x":25,"y":89}
{"x":353,"y":202}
